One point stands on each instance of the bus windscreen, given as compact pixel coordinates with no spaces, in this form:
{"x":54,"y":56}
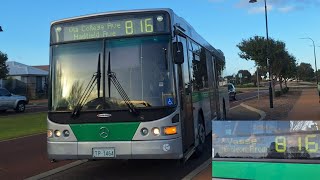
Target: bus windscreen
{"x":110,"y":26}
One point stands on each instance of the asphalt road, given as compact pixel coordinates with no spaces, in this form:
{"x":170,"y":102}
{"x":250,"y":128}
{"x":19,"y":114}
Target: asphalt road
{"x":247,"y":95}
{"x":29,"y":109}
{"x":25,"y":157}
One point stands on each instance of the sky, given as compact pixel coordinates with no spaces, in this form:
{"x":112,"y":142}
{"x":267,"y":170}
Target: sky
{"x":223,"y":23}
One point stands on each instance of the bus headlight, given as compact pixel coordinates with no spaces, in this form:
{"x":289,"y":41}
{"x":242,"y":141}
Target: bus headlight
{"x":170,"y":130}
{"x":57,"y":133}
{"x":49,"y":133}
{"x":156,"y":131}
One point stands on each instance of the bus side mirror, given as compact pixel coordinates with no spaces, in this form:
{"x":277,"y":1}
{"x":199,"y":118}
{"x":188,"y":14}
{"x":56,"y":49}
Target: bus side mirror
{"x":178,"y":53}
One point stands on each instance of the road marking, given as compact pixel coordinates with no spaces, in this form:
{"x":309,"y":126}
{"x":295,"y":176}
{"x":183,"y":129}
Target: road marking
{"x":261,"y":113}
{"x":22,"y":137}
{"x":234,"y":107}
{"x":198,"y":170}
{"x":57,"y":170}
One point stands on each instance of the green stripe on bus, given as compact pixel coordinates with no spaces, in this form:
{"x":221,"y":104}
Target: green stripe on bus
{"x":116,"y":131}
{"x":264,"y":170}
{"x":199,"y":96}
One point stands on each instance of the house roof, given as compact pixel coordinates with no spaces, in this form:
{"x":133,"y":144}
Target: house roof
{"x":16,"y":68}
{"x":43,"y":67}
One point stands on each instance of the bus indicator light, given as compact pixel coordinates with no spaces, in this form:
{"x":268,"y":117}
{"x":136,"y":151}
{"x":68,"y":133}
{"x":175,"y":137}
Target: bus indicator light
{"x":170,"y":130}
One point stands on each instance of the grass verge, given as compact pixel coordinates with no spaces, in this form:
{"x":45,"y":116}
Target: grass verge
{"x":22,"y":125}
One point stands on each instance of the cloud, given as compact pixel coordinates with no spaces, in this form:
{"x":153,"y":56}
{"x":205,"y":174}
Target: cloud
{"x":242,"y":4}
{"x":259,"y":9}
{"x":216,"y":1}
{"x":283,"y":6}
{"x":286,"y":9}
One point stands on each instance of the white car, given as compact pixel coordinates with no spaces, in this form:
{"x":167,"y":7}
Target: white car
{"x":11,"y":101}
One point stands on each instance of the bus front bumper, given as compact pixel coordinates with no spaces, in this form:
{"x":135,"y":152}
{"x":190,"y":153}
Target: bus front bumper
{"x":155,"y":149}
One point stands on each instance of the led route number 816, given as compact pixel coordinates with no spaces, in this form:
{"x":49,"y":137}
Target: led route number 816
{"x":311,"y":146}
{"x":145,"y":26}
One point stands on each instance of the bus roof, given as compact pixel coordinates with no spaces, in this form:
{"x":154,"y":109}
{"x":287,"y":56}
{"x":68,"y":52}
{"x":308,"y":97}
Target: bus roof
{"x":114,"y":12}
{"x":175,"y":19}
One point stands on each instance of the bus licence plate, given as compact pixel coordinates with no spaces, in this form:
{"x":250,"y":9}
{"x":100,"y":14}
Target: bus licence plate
{"x":103,"y":152}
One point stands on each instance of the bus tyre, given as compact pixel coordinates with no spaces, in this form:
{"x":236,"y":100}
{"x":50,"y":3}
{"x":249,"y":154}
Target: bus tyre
{"x":21,"y":107}
{"x":201,"y":136}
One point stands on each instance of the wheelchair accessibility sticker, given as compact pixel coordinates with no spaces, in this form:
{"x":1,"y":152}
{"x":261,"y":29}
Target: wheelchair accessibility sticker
{"x":169,"y":101}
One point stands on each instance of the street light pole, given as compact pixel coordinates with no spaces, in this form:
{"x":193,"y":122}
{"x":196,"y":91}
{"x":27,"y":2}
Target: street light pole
{"x":315,"y":64}
{"x":258,"y":82}
{"x":315,"y":57}
{"x":267,"y":50}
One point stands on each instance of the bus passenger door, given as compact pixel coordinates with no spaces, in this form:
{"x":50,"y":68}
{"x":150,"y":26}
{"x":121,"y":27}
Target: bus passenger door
{"x":185,"y":89}
{"x":216,"y":101}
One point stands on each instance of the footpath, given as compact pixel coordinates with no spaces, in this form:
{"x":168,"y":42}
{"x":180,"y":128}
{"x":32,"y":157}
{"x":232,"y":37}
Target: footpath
{"x":307,"y":107}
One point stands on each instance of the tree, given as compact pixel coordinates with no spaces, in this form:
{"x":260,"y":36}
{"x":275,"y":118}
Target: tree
{"x":282,"y":63}
{"x":246,"y":76}
{"x":254,"y":49}
{"x":305,"y":72}
{"x":290,"y":69}
{"x":318,"y":74}
{"x":3,"y":67}
{"x":261,"y":72}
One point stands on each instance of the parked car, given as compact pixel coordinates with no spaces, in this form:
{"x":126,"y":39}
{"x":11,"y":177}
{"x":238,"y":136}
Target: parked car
{"x":232,"y":91}
{"x":11,"y":101}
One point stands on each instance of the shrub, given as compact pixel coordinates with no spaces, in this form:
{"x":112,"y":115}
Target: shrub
{"x":285,"y":90}
{"x":278,"y":93}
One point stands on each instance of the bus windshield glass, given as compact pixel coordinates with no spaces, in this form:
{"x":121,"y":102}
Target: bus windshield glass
{"x":266,"y":140}
{"x":141,"y":65}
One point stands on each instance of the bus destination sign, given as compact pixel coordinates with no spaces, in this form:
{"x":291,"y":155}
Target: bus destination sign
{"x":108,"y":27}
{"x":269,"y":139}
{"x":268,"y":146}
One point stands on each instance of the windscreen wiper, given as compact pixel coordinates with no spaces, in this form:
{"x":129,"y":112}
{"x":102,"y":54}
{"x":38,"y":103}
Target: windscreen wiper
{"x":112,"y":77}
{"x":83,"y":98}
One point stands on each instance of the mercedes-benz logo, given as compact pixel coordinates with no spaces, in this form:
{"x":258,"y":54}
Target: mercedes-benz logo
{"x":104,"y":132}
